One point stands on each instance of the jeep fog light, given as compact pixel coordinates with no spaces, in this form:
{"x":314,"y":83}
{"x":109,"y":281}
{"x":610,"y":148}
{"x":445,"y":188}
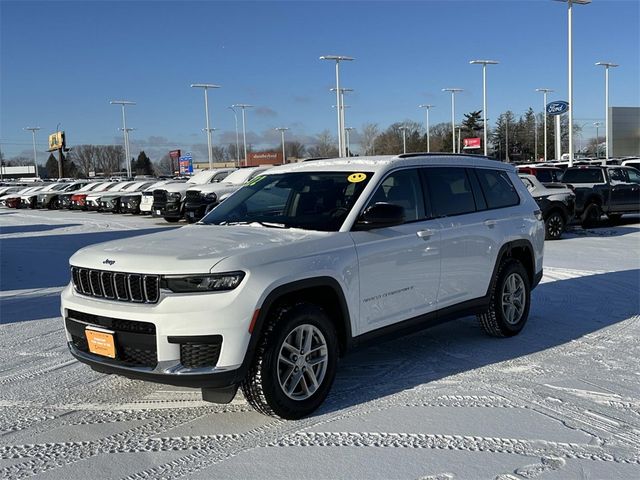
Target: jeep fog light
{"x":202,"y":283}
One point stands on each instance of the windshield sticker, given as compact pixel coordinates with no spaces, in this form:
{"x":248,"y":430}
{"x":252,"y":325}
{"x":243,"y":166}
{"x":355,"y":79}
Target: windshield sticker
{"x":254,"y":180}
{"x":357,"y":177}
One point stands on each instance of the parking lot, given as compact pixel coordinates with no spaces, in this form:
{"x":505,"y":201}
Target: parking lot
{"x":561,"y":400}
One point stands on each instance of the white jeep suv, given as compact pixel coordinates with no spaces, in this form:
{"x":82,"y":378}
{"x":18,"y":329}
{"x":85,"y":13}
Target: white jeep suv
{"x":303,"y":263}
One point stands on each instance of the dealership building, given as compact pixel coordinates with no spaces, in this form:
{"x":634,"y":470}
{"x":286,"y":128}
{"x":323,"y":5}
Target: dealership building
{"x":624,"y":131}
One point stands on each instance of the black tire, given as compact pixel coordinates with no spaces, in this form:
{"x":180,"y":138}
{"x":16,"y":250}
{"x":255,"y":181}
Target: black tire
{"x":591,"y":215}
{"x":494,"y":320}
{"x":171,"y":219}
{"x":190,"y":219}
{"x":554,"y":225}
{"x":262,"y":387}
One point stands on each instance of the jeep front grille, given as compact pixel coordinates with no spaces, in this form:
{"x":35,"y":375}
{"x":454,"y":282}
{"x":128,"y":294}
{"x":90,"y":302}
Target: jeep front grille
{"x":124,"y":287}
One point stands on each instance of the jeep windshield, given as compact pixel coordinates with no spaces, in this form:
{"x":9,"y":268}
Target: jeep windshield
{"x":307,"y":200}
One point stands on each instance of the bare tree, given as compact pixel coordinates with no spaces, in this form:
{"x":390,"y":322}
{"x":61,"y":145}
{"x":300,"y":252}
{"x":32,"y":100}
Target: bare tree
{"x":368,"y":138}
{"x":109,"y":158}
{"x":84,"y":156}
{"x":325,"y":146}
{"x":294,"y":149}
{"x":163,"y":166}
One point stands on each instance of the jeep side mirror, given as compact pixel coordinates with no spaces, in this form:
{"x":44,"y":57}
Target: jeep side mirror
{"x":380,"y":215}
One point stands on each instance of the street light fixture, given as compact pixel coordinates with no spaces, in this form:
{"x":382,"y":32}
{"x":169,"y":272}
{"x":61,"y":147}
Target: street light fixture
{"x":338,"y":59}
{"x":427,"y":108}
{"x":404,"y":138}
{"x":570,"y":67}
{"x":544,"y":113}
{"x":348,"y":130}
{"x":124,"y":103}
{"x":606,"y":66}
{"x":597,"y":125}
{"x":235,"y":116}
{"x":484,"y":64}
{"x":453,"y":115}
{"x":243,"y":106}
{"x":205,"y":87}
{"x":282,"y":130}
{"x":33,"y":131}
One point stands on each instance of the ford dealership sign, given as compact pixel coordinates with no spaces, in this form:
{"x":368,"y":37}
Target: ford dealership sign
{"x":557,"y":108}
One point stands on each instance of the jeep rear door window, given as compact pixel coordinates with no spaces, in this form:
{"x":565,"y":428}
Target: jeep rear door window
{"x":498,"y":190}
{"x":583,"y":175}
{"x":307,"y":200}
{"x":402,"y":188}
{"x":450,"y":191}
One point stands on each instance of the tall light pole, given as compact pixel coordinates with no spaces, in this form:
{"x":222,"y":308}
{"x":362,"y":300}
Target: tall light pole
{"x":606,"y":66}
{"x":453,"y":115}
{"x":597,"y":125}
{"x":342,"y":113}
{"x":544,"y":113}
{"x":570,"y":67}
{"x":33,"y":131}
{"x":125,"y":132}
{"x":235,"y":116}
{"x":484,"y":64}
{"x":282,"y":130}
{"x":404,"y":138}
{"x":427,"y":108}
{"x":459,"y":127}
{"x":243,"y":106}
{"x":205,"y":87}
{"x":338,"y":59}
{"x":347,"y":131}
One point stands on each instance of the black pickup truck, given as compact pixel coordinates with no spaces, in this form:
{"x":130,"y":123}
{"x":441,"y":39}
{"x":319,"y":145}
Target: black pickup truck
{"x":612,"y":190}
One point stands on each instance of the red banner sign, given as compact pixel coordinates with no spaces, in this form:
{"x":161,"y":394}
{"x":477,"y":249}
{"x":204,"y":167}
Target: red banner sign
{"x":470,"y":143}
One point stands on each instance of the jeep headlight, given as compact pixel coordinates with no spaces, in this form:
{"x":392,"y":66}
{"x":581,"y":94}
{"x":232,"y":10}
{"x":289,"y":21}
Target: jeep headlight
{"x":202,"y":283}
{"x":174,"y":196}
{"x":211,"y":197}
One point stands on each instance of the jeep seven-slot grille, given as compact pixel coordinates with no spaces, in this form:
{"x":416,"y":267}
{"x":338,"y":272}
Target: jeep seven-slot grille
{"x":125,"y":287}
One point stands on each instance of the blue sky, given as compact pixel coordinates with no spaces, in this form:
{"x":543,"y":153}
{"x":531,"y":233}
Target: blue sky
{"x":61,"y":62}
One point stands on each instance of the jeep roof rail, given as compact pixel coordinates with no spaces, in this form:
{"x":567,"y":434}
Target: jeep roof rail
{"x":440,"y":154}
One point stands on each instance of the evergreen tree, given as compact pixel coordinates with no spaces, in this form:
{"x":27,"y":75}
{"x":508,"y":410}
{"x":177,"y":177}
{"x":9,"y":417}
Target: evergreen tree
{"x":51,"y":167}
{"x":142,"y":165}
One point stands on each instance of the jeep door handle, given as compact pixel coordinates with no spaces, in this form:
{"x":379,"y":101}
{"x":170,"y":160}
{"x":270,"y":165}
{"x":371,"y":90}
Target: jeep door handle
{"x":490,"y":223}
{"x":425,"y":234}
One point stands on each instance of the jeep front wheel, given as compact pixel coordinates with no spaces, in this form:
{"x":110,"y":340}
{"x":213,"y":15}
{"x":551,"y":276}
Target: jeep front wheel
{"x":295,"y":363}
{"x":554,"y":226}
{"x":510,"y":300}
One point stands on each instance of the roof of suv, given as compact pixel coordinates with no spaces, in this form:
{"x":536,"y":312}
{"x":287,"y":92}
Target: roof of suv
{"x":384,"y":162}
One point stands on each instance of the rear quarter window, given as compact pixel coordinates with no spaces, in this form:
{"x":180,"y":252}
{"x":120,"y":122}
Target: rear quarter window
{"x":583,"y":175}
{"x":498,"y":190}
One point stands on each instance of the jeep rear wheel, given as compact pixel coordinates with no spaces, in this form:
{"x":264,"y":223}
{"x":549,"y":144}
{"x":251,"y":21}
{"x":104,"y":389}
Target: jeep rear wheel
{"x":510,"y":300}
{"x":295,"y":363}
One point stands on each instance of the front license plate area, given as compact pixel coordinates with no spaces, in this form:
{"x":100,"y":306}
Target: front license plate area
{"x":101,"y":342}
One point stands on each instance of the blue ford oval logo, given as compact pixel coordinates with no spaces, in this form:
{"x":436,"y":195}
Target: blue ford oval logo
{"x":557,"y":108}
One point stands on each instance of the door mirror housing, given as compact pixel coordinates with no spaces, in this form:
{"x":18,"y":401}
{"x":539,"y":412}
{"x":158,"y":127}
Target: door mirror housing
{"x":380,"y":215}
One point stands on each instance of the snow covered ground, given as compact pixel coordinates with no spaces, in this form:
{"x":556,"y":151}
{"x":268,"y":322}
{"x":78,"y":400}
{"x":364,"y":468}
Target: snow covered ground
{"x":559,"y":401}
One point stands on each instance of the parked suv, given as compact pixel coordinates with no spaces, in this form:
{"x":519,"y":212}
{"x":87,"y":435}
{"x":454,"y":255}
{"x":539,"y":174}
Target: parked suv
{"x":557,"y":205}
{"x":301,"y":264}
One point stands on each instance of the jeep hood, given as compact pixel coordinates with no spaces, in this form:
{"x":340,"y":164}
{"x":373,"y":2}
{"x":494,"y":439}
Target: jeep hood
{"x":191,"y":249}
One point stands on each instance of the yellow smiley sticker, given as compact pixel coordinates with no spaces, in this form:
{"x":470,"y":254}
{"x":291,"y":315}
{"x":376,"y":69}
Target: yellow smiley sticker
{"x":357,"y":177}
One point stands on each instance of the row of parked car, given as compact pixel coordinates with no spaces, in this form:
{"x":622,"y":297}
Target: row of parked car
{"x":170,"y":199}
{"x":584,"y":193}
